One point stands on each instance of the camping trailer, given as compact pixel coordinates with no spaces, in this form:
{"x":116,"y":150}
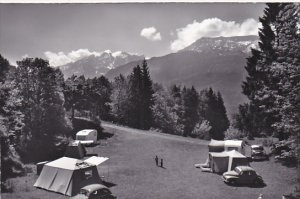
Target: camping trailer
{"x":68,"y":175}
{"x":87,"y":136}
{"x":226,"y":145}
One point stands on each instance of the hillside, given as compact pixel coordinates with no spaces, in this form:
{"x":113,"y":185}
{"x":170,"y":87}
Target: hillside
{"x":209,"y":62}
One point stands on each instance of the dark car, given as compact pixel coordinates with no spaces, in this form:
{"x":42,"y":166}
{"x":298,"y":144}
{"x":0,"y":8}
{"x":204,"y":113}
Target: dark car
{"x":258,"y":153}
{"x":242,"y":175}
{"x":95,"y":191}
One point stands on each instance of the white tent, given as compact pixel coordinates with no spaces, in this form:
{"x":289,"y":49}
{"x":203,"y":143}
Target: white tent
{"x":68,"y":175}
{"x":226,"y":161}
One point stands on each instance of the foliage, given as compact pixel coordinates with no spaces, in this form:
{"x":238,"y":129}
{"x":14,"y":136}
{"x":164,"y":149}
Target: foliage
{"x":232,"y":133}
{"x":165,"y":112}
{"x":190,"y":104}
{"x":286,"y":151}
{"x":36,"y":117}
{"x":212,"y":109}
{"x":272,"y":85}
{"x":119,"y":99}
{"x":202,"y":130}
{"x":11,"y":165}
{"x":92,"y":95}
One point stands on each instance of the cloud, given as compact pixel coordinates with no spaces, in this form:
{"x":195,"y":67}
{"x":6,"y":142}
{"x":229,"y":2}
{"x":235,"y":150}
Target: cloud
{"x":60,"y":58}
{"x":212,"y":27}
{"x":151,"y":33}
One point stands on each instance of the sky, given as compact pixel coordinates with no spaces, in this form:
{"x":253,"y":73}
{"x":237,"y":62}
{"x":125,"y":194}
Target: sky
{"x":64,"y":33}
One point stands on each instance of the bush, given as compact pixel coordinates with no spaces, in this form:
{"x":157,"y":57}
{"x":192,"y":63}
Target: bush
{"x":285,"y":151}
{"x":267,"y":142}
{"x":202,"y":130}
{"x":232,"y":133}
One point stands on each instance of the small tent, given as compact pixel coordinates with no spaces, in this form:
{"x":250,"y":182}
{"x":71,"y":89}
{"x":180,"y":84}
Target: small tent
{"x":68,"y":175}
{"x":226,"y":161}
{"x":226,"y":145}
{"x":75,"y":150}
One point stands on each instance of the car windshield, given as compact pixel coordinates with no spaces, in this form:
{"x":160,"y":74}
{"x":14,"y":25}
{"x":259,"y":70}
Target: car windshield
{"x":260,"y":148}
{"x":84,"y":192}
{"x":236,"y":169}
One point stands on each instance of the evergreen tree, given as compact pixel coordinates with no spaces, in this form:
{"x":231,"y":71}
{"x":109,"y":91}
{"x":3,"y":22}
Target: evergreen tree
{"x":135,"y":104}
{"x":190,"y":105}
{"x":214,"y":111}
{"x":147,"y":97}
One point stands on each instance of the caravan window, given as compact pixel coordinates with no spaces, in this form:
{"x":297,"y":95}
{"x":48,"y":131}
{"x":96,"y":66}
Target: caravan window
{"x":80,"y":137}
{"x":232,"y":148}
{"x":88,"y":174}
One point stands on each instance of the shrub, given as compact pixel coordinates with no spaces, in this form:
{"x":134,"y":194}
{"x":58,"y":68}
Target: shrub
{"x":233,"y":133}
{"x":202,"y":130}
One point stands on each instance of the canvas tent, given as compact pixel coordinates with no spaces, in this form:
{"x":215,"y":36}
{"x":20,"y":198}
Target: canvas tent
{"x":75,"y":150}
{"x":226,"y":145}
{"x":68,"y":175}
{"x":226,"y":161}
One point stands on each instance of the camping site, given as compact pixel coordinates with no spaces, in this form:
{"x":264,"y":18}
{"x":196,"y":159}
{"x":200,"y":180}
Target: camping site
{"x":131,"y":171}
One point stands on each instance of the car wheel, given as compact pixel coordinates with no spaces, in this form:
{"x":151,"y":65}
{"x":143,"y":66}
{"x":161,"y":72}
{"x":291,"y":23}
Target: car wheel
{"x":232,"y":182}
{"x":258,"y":182}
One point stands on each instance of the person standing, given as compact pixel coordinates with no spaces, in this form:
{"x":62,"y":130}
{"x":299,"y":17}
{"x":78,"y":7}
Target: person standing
{"x":161,"y":163}
{"x":156,"y":160}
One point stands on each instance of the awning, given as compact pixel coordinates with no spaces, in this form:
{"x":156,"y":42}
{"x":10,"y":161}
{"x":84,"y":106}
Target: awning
{"x":96,"y":160}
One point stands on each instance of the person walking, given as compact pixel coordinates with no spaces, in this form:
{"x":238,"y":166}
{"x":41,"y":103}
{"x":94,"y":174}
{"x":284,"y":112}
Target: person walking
{"x":161,"y":163}
{"x":156,"y":160}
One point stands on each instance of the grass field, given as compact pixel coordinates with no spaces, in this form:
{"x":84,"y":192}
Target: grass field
{"x":132,"y":173}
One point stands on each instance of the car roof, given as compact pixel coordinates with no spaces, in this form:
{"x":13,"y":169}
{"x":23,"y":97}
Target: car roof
{"x":245,"y":168}
{"x":94,"y":187}
{"x":256,"y":146}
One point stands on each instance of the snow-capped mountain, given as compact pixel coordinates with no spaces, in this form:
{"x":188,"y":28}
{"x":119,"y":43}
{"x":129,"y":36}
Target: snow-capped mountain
{"x":224,"y":44}
{"x":93,"y":66}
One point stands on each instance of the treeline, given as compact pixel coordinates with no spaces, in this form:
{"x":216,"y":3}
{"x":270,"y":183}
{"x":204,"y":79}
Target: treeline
{"x":273,"y":82}
{"x":136,"y":102}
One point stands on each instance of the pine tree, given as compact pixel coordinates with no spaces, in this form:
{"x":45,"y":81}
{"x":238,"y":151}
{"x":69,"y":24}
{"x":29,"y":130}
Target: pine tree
{"x":135,"y":103}
{"x":214,"y":111}
{"x":147,"y":97}
{"x":190,"y":106}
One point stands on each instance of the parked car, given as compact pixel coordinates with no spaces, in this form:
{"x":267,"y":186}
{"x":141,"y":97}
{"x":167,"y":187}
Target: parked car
{"x":258,"y":153}
{"x":242,"y":175}
{"x":95,"y":191}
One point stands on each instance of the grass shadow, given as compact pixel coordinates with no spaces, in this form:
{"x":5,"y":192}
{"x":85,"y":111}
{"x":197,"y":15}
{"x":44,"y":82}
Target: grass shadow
{"x":108,"y":184}
{"x":105,"y":135}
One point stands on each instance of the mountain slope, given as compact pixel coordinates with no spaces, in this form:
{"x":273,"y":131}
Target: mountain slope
{"x":98,"y":65}
{"x":209,"y":62}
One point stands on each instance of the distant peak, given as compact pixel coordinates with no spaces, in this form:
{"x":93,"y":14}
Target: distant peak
{"x":107,"y":51}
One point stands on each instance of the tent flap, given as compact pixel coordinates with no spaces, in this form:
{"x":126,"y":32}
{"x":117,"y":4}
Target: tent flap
{"x":96,"y":160}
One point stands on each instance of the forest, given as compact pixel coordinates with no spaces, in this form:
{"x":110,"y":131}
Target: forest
{"x":37,"y":104}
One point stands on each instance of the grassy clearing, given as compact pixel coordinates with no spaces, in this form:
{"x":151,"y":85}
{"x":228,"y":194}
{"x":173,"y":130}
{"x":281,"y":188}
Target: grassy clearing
{"x":132,"y":172}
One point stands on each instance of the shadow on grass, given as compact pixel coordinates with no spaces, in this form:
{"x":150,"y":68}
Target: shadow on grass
{"x":260,"y":185}
{"x":109,"y":184}
{"x":105,"y":135}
